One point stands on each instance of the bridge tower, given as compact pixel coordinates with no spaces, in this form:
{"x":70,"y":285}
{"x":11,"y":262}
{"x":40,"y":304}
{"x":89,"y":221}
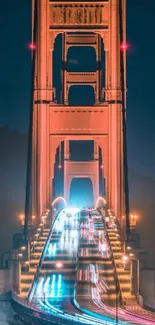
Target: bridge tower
{"x":81,"y":23}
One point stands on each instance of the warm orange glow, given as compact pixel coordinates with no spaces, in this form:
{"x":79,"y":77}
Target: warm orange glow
{"x":33,"y":217}
{"x":59,"y":265}
{"x":44,"y":217}
{"x":133,"y":220}
{"x":21,"y":217}
{"x":124,"y":258}
{"x":23,"y":248}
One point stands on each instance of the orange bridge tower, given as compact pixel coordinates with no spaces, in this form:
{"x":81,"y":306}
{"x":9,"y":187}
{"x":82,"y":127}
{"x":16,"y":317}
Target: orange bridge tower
{"x":90,"y":24}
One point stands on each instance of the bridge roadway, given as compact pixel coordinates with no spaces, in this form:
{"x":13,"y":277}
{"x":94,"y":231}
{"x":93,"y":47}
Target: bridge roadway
{"x":69,"y":288}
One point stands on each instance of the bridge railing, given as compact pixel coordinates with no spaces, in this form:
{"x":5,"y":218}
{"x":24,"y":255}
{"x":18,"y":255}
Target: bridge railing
{"x":118,"y":288}
{"x":23,"y":302}
{"x":31,"y":290}
{"x":121,"y":233}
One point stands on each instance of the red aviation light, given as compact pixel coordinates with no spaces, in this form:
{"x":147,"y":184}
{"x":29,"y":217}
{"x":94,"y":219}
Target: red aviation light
{"x":124,"y":46}
{"x":32,"y":46}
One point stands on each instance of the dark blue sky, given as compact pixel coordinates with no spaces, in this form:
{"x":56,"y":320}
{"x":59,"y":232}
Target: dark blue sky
{"x":15,"y":69}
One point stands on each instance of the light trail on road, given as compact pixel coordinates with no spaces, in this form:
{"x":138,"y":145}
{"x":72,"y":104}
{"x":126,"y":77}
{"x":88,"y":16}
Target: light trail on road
{"x":55,"y":291}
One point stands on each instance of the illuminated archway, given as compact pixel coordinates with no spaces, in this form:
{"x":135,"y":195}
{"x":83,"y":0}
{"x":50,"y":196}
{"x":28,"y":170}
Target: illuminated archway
{"x":100,"y":202}
{"x":59,"y":200}
{"x":81,"y":192}
{"x":81,"y":169}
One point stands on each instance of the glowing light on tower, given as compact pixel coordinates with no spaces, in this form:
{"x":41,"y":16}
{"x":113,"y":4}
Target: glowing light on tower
{"x":124,"y":46}
{"x":32,"y":46}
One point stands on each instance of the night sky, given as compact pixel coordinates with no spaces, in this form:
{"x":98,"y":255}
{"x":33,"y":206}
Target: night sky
{"x":15,"y":75}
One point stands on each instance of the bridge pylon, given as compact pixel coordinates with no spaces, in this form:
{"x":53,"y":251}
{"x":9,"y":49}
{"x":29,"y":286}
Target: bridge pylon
{"x":89,"y":24}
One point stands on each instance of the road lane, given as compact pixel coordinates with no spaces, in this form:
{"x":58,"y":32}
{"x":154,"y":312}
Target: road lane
{"x":55,"y":287}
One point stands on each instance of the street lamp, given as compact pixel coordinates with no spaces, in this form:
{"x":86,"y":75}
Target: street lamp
{"x":33,"y":220}
{"x":22,"y":219}
{"x":23,"y":248}
{"x":125,"y":259}
{"x":59,"y":265}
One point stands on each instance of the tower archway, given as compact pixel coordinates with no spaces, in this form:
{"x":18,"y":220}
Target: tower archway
{"x":76,"y":169}
{"x":81,"y":192}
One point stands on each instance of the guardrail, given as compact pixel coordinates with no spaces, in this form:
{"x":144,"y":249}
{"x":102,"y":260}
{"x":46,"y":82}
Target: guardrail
{"x":31,"y":290}
{"x":118,"y":288}
{"x":42,"y":315}
{"x":122,"y":235}
{"x":24,"y":302}
{"x":93,"y":314}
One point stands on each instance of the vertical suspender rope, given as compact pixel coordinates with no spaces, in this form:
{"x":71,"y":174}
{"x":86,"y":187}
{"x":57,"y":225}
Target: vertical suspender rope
{"x":28,"y":202}
{"x":59,"y":163}
{"x":125,"y":161}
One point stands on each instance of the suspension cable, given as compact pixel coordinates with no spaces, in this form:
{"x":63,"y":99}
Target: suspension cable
{"x":28,"y":203}
{"x":125,"y":160}
{"x":60,"y":157}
